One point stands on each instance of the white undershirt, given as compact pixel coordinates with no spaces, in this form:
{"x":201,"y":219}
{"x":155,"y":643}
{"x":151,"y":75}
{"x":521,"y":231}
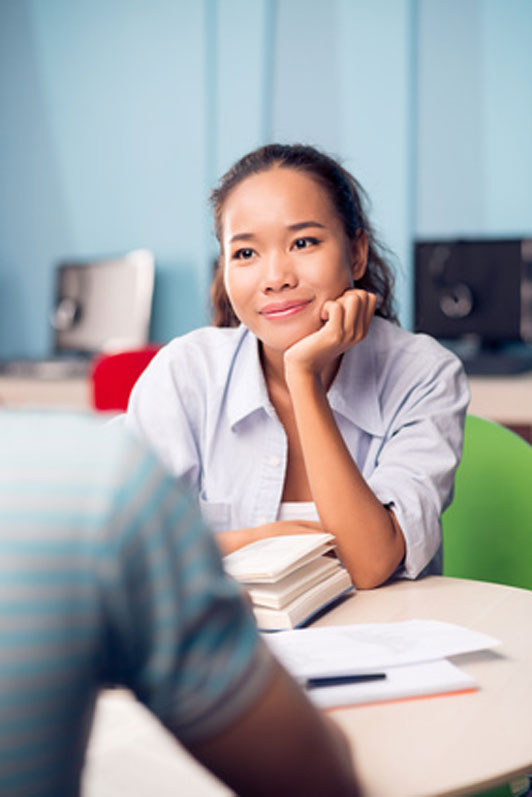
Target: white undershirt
{"x":298,"y":510}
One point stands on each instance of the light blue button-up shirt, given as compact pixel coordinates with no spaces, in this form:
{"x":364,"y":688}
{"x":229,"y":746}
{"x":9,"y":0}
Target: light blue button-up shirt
{"x":399,"y":400}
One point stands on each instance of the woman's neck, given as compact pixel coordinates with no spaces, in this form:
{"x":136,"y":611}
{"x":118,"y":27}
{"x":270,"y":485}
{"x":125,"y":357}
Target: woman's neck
{"x":272,"y":362}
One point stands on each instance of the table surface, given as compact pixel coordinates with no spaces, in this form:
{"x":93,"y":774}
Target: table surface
{"x":445,"y":745}
{"x":451,"y":744}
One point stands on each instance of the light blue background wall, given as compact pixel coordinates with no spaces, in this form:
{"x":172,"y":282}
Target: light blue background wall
{"x":117,"y":117}
{"x":474,"y":118}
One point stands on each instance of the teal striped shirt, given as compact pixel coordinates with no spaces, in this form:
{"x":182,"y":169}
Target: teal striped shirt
{"x":107,"y":576}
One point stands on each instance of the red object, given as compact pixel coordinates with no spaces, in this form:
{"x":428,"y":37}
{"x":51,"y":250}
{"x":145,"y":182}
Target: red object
{"x":113,"y":376}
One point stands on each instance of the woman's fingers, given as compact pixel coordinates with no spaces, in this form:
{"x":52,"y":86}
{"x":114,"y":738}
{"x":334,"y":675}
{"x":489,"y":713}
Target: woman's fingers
{"x":346,"y":322}
{"x":353,"y":316}
{"x":359,"y":307}
{"x":333,"y":315}
{"x":370,"y":309}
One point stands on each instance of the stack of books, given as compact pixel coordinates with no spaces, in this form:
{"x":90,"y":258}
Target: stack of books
{"x":289,"y":578}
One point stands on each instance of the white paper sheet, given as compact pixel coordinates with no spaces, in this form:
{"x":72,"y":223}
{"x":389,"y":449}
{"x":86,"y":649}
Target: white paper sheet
{"x":351,"y":649}
{"x":412,"y":680}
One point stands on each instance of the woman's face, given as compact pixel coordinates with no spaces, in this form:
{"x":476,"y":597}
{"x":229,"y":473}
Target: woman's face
{"x":285,"y":253}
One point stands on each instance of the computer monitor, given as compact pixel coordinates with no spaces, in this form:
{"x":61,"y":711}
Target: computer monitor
{"x":476,"y":295}
{"x":100,"y":306}
{"x":103,"y":305}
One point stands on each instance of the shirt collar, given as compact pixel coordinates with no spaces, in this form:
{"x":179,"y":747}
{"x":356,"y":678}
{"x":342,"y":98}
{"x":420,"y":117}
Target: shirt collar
{"x":353,"y":394}
{"x":247,"y":387}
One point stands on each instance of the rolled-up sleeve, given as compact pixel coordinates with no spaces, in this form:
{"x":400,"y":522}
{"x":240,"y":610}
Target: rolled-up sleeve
{"x":422,"y":447}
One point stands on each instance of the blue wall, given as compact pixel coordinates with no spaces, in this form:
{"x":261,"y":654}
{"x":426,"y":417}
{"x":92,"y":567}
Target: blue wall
{"x":117,"y":117}
{"x":474,"y":118}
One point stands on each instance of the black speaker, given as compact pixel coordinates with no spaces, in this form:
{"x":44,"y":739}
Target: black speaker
{"x":478,"y":291}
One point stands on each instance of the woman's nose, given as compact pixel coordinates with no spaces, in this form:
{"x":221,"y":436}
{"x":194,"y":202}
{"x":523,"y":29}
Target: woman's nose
{"x":279,"y":273}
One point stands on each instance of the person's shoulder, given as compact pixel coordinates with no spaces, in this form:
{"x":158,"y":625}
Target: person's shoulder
{"x":413,"y":367}
{"x":57,"y":431}
{"x":71,"y":447}
{"x":401,"y":347}
{"x":206,"y":350}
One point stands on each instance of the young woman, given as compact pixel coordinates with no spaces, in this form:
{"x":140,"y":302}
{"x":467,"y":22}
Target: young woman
{"x":317,"y":412}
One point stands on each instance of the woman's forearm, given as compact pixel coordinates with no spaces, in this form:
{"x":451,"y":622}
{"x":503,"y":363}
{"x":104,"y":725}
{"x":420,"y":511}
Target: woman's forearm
{"x":229,"y":541}
{"x":369,"y":539}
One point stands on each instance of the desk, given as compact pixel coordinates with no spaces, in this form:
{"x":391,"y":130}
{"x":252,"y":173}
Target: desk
{"x":71,"y":394}
{"x":430,"y":746}
{"x":505,"y":399}
{"x":454,"y":744}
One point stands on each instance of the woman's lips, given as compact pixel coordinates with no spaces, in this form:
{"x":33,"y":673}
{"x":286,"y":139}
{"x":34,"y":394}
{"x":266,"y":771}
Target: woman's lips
{"x":283,"y":309}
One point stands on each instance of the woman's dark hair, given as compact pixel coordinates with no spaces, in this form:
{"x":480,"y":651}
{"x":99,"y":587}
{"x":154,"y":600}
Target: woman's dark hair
{"x":348,"y":198}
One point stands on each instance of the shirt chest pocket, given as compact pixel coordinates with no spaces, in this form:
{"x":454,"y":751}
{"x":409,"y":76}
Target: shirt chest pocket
{"x":217,"y":515}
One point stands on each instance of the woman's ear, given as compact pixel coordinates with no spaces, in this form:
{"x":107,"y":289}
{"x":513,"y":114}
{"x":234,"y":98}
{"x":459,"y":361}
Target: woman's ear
{"x":359,"y":254}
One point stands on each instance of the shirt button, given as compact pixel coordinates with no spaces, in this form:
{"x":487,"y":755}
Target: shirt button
{"x":262,"y":520}
{"x":274,"y":461}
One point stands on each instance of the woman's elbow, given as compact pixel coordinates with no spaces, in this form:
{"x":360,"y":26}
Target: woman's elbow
{"x":376,"y":571}
{"x":371,"y":579}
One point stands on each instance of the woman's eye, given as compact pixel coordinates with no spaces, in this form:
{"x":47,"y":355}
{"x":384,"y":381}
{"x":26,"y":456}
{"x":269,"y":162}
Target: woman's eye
{"x":243,"y":254}
{"x":304,"y":243}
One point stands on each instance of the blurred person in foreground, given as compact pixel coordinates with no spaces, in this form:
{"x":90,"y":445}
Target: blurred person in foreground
{"x":109,"y":577}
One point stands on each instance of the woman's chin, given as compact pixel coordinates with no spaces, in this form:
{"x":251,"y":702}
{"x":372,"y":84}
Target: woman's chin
{"x":283,"y":342}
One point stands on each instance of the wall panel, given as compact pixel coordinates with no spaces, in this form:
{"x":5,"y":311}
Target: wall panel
{"x":375,"y":44}
{"x":119,"y":116}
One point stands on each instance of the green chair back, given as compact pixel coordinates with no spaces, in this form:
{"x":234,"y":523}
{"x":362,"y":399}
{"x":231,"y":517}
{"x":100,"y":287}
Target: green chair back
{"x":487,"y":530}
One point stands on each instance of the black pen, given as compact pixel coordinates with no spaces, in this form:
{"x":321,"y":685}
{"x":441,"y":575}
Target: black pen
{"x":340,"y":680}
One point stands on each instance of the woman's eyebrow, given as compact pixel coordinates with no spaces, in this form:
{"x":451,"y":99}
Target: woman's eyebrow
{"x":241,"y":236}
{"x":301,"y":225}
